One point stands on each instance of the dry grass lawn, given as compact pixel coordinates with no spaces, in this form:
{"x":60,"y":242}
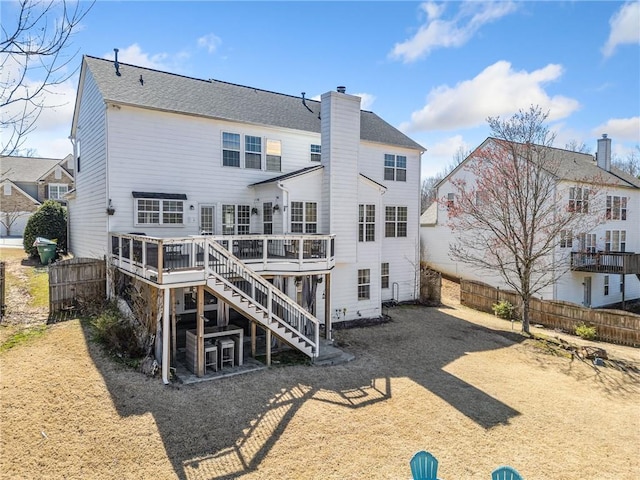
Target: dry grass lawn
{"x":449,"y":380}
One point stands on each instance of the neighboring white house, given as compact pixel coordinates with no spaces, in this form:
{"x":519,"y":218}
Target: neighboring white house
{"x":333,"y":187}
{"x":594,"y":260}
{"x":26,"y":182}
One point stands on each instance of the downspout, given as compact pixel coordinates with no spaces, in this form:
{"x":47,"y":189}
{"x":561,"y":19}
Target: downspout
{"x":285,"y":206}
{"x":74,"y":144}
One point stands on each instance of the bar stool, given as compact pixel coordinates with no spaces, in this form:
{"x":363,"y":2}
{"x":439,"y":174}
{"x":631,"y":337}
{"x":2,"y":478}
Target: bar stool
{"x":211,"y":357}
{"x":227,"y":351}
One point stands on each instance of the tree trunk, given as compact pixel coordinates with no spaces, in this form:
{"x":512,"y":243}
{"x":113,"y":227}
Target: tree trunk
{"x":525,"y":315}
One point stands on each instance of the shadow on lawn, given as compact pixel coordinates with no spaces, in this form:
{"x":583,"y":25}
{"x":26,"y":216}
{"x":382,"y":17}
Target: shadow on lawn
{"x":225,"y":428}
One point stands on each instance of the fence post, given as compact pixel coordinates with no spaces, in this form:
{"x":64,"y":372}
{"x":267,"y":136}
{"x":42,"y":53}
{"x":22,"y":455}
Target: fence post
{"x":2,"y":287}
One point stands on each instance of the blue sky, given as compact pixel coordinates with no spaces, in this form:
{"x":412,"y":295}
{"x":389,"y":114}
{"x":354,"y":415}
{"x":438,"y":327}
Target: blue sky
{"x":436,"y":70}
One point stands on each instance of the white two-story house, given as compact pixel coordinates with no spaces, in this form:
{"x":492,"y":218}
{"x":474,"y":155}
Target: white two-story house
{"x":292,"y":212}
{"x":598,"y":267}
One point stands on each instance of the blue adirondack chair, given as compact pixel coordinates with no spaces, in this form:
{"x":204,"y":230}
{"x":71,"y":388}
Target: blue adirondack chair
{"x":424,"y":466}
{"x":505,"y":473}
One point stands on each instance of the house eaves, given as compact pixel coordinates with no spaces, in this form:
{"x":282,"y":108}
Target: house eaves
{"x":287,"y":176}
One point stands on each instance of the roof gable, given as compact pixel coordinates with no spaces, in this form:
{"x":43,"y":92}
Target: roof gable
{"x":29,"y":169}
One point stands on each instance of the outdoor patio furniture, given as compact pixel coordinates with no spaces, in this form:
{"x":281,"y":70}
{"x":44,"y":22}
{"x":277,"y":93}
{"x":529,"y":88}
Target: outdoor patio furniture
{"x":424,"y":466}
{"x":211,"y":357}
{"x":227,"y":351}
{"x":505,"y":472}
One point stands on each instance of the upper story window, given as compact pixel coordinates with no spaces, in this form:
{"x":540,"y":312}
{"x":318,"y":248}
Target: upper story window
{"x":151,"y":211}
{"x":57,"y":191}
{"x":395,"y":222}
{"x":616,"y":207}
{"x":566,"y":239}
{"x":304,"y":217}
{"x":587,"y":242}
{"x":367,"y":223}
{"x":615,"y":241}
{"x":395,"y":167}
{"x":274,"y":155}
{"x":316,"y":151}
{"x":451,"y":197}
{"x":230,"y":149}
{"x":579,"y":200}
{"x":252,"y":152}
{"x":236,"y":219}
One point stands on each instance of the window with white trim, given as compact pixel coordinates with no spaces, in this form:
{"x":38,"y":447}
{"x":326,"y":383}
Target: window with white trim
{"x":236,"y":219}
{"x":395,"y":167}
{"x":57,"y":191}
{"x":566,"y":239}
{"x":616,"y":207}
{"x":152,"y":211}
{"x":384,"y":275}
{"x":267,"y":218}
{"x":366,"y":223}
{"x":252,"y":152}
{"x":587,"y":242}
{"x":395,"y":222}
{"x":304,"y":217}
{"x":364,"y":284}
{"x":316,"y":153}
{"x":274,"y":155}
{"x":578,"y":200}
{"x":451,"y":198}
{"x":230,"y":149}
{"x":615,"y":240}
{"x":606,"y":284}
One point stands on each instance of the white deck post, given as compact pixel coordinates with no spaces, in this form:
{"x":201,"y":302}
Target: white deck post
{"x":165,"y":337}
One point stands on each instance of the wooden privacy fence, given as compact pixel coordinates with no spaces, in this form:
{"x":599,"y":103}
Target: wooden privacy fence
{"x":2,"y":289}
{"x":615,"y":326}
{"x":76,"y":283}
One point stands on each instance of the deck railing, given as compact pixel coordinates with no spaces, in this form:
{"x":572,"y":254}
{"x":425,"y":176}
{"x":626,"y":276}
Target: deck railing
{"x":150,"y":257}
{"x":606,"y":262}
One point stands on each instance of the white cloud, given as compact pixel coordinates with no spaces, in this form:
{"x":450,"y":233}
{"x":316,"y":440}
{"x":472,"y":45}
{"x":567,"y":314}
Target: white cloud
{"x":366,"y":100}
{"x":621,"y":129}
{"x":496,"y":91}
{"x":625,"y":28}
{"x":210,"y":41}
{"x":134,"y":55}
{"x":440,"y":33}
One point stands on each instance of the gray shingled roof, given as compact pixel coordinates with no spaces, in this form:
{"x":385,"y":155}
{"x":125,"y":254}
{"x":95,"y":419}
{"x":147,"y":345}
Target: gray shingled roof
{"x":25,"y":169}
{"x":217,"y":99}
{"x":295,"y":173}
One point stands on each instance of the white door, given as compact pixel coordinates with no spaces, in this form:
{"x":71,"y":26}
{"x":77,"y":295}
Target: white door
{"x":207,"y":219}
{"x":587,"y":291}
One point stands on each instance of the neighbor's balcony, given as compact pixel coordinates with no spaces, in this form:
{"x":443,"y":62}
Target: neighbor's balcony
{"x":606,"y":262}
{"x":182,"y":260}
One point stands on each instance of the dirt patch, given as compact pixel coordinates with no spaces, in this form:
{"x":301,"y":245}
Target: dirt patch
{"x":450,"y":380}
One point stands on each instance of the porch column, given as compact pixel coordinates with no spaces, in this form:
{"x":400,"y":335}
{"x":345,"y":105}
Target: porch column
{"x":200,"y":329}
{"x":327,"y":306}
{"x":174,"y":346}
{"x":268,"y":346}
{"x":253,"y":339}
{"x":165,"y":336}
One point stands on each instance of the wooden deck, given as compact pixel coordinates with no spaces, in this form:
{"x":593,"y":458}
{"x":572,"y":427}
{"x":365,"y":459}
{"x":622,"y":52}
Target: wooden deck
{"x":623,"y":263}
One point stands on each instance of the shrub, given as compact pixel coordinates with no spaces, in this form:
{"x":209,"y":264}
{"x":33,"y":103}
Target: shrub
{"x":585,"y":331}
{"x":50,"y":222}
{"x":503,"y":309}
{"x":117,"y":333}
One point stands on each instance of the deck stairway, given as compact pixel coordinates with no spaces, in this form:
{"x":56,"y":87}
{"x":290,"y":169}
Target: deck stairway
{"x":232,"y":281}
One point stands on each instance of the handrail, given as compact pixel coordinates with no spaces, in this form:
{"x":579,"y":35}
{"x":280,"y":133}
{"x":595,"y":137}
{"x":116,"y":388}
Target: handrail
{"x":223,"y":266}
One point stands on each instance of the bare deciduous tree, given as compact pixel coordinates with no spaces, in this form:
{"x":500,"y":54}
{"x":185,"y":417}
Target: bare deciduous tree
{"x":428,"y":191}
{"x":512,"y":209}
{"x":9,"y":217}
{"x":33,"y":59}
{"x":631,"y":164}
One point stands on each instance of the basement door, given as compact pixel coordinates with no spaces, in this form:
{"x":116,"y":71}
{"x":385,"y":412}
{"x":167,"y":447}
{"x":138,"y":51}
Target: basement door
{"x":207,"y":219}
{"x":587,"y":291}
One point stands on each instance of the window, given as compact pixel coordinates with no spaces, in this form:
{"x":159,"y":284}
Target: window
{"x":267,"y":218}
{"x":230,"y":149}
{"x":587,"y":242}
{"x":616,"y":207}
{"x":395,"y":167}
{"x":159,"y":212}
{"x":615,"y":241}
{"x":566,"y":239}
{"x":606,"y":284}
{"x":252,"y":152}
{"x":304,"y":217}
{"x":364,"y":284}
{"x":367,"y":223}
{"x":578,"y":200}
{"x":384,"y":275}
{"x":316,"y":153}
{"x":451,"y":197}
{"x":235,"y":219}
{"x":7,"y":189}
{"x":395,"y":222}
{"x":274,"y":155}
{"x":57,"y":191}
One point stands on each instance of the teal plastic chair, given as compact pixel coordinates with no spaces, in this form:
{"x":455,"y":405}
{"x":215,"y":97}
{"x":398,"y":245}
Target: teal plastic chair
{"x":424,"y":466}
{"x":505,"y":473}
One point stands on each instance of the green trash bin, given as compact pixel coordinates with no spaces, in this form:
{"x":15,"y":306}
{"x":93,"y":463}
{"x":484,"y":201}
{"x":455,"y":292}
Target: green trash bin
{"x":46,"y":250}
